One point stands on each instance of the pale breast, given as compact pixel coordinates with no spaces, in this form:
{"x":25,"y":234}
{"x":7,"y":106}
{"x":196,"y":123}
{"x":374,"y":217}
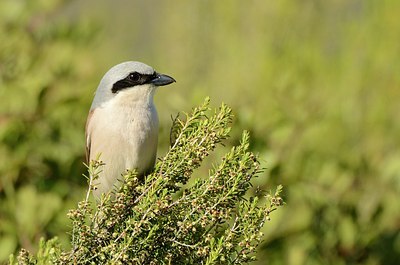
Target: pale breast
{"x":126,"y":138}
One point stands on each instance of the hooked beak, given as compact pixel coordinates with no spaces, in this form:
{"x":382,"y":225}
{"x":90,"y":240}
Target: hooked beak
{"x":162,"y":80}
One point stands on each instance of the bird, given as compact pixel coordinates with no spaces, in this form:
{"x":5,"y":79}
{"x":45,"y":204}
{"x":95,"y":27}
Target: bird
{"x":122,"y":124}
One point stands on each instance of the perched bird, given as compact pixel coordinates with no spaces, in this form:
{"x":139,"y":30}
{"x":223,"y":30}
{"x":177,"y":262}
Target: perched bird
{"x":122,"y":125}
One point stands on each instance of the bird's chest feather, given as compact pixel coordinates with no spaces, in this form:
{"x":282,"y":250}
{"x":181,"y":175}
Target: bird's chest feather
{"x":135,"y":125}
{"x":125,"y":134}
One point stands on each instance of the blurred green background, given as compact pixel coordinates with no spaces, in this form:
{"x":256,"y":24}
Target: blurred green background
{"x":317,"y":83}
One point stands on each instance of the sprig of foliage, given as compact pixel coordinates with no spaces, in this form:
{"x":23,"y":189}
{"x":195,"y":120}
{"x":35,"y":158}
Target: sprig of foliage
{"x":156,"y":221}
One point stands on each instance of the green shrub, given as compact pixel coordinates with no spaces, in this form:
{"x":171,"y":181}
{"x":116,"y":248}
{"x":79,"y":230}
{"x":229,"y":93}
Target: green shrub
{"x":162,"y":221}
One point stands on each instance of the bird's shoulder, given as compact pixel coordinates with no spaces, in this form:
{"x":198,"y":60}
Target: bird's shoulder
{"x":87,"y":134}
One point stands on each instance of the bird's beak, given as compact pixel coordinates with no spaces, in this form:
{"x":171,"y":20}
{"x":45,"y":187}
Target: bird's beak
{"x":162,"y":80}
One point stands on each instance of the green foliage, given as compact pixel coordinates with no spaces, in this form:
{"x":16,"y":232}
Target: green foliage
{"x":156,"y":221}
{"x":317,"y":85}
{"x":48,"y":253}
{"x":43,"y":75}
{"x":314,"y":82}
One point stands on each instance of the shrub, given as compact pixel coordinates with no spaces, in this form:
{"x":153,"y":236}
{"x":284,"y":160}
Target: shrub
{"x":162,"y":219}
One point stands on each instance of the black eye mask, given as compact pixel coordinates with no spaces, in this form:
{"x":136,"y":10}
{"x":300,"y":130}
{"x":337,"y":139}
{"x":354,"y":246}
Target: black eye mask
{"x":133,"y":79}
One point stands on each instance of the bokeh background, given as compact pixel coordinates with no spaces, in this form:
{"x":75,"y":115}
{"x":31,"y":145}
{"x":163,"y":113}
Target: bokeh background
{"x":317,"y":83}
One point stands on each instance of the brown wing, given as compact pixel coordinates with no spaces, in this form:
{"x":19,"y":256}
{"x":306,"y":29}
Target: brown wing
{"x":87,"y":136}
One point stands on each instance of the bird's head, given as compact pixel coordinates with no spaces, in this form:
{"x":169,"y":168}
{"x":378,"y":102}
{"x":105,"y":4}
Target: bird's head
{"x":133,"y":80}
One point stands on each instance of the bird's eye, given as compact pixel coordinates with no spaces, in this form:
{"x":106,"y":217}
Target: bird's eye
{"x":135,"y":77}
